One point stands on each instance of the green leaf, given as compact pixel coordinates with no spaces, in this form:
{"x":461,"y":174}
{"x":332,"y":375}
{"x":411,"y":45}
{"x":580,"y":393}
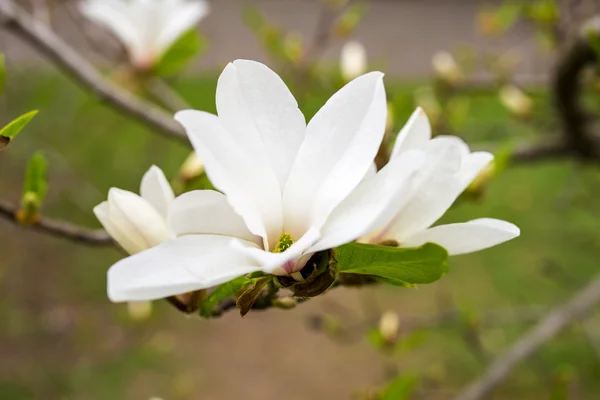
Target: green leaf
{"x":251,"y":293}
{"x":35,"y":177}
{"x":221,"y":293}
{"x":2,"y":72}
{"x":8,"y":133}
{"x":400,"y":266}
{"x":180,"y":53}
{"x":594,"y":41}
{"x":400,"y":388}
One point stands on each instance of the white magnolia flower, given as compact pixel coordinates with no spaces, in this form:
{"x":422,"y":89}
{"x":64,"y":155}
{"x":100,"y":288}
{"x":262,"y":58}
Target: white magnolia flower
{"x":136,"y":222}
{"x":282,"y":180}
{"x":449,"y":168}
{"x":147,"y":28}
{"x":353,"y":60}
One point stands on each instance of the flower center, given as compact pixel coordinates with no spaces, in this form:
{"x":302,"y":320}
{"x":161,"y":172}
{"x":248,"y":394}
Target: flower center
{"x":284,"y":242}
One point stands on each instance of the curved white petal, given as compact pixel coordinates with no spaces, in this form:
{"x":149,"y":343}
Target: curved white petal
{"x":117,"y":16}
{"x":435,"y":188}
{"x":175,"y":267}
{"x":137,"y":219}
{"x":466,"y":237}
{"x":207,"y":212}
{"x":472,"y":165}
{"x":341,"y":142}
{"x":178,"y":19}
{"x":415,"y":133}
{"x":118,"y":235}
{"x":372,"y":204}
{"x":251,"y":188}
{"x":256,"y":106}
{"x":283,"y":263}
{"x":155,"y":189}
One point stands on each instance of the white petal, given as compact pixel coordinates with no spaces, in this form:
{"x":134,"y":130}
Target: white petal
{"x":341,"y":143}
{"x":372,"y":204}
{"x":472,"y":165}
{"x":414,"y":134}
{"x":256,"y":106}
{"x":435,"y":188}
{"x":117,"y":16}
{"x":281,"y":263}
{"x":178,"y":19}
{"x":466,"y":237}
{"x":251,"y":188}
{"x":208,"y":212}
{"x":155,"y":189}
{"x":137,"y":219}
{"x":175,"y":267}
{"x":129,"y":245}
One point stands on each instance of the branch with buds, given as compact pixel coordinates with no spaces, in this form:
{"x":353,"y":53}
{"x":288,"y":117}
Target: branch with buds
{"x":43,"y":38}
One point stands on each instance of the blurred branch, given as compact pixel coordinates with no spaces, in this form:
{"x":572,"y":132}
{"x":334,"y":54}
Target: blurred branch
{"x":548,"y":327}
{"x":55,"y":227}
{"x":63,"y":56}
{"x":165,"y":95}
{"x":539,"y":152}
{"x":567,"y":90}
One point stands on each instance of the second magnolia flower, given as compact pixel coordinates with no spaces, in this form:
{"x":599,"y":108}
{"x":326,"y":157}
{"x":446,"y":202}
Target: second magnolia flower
{"x":291,"y":189}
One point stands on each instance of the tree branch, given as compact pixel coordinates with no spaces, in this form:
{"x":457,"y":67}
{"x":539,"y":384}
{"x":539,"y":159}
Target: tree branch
{"x":553,"y":323}
{"x":63,"y":56}
{"x":567,"y":91}
{"x":54,"y":227}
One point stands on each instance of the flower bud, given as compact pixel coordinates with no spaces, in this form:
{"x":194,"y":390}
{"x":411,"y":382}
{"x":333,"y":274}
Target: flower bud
{"x":132,"y":221}
{"x":516,"y":101}
{"x":446,"y":68}
{"x":191,"y":168}
{"x":353,"y":60}
{"x":139,"y":310}
{"x":389,"y":326}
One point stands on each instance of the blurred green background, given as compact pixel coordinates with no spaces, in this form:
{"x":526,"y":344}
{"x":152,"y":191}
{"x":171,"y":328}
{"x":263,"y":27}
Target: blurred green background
{"x":60,"y":337}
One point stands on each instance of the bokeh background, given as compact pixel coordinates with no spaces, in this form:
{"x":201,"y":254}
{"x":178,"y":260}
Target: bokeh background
{"x":60,"y":337}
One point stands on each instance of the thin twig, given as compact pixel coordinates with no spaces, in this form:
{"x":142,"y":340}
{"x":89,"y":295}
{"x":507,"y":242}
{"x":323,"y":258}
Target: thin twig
{"x":55,"y":227}
{"x":553,"y":323}
{"x":62,"y":55}
{"x":165,"y":95}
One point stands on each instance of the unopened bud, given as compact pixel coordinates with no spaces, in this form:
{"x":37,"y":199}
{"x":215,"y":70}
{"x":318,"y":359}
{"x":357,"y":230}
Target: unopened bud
{"x":30,"y":208}
{"x":353,"y":60}
{"x":389,"y":326}
{"x":389,"y":125}
{"x":191,"y":168}
{"x":139,"y":310}
{"x":516,"y":101}
{"x":446,"y":68}
{"x":284,"y":303}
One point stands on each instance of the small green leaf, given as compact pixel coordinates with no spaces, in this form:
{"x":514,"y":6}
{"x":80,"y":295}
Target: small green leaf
{"x":2,"y":72}
{"x":400,"y":266}
{"x":35,"y":177}
{"x":221,"y":293}
{"x":8,"y":133}
{"x":250,"y":294}
{"x":594,"y":41}
{"x":180,"y":53}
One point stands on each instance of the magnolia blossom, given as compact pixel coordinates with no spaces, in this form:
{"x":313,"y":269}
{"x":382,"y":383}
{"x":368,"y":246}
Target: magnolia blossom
{"x":136,"y":222}
{"x":449,"y":168}
{"x":446,"y":67}
{"x":353,"y":60}
{"x":281,"y":179}
{"x":290,"y":189}
{"x":147,"y":28}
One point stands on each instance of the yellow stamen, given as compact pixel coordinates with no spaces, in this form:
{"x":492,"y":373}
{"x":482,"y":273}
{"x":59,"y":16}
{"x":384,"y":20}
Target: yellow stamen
{"x":284,"y":242}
